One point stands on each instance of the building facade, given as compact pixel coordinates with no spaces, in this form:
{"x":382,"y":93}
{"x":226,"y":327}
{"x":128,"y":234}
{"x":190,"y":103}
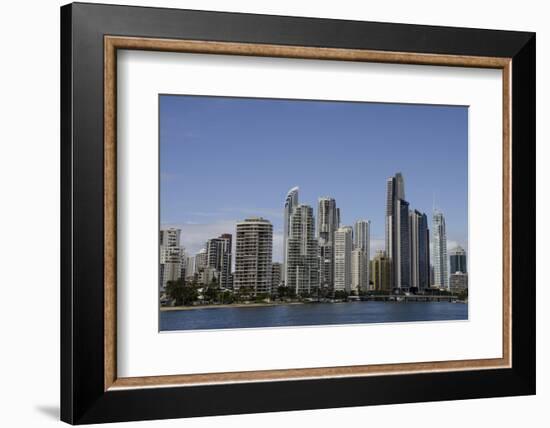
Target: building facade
{"x":219,"y":257}
{"x":343,"y":247}
{"x":458,"y":282}
{"x":359,"y":271}
{"x":302,"y":258}
{"x":328,"y":220}
{"x":420,"y":250}
{"x":171,"y":257}
{"x":361,"y":242}
{"x":276,"y":276}
{"x":440,"y":260}
{"x":381,"y":272}
{"x":397,"y":232}
{"x":458,"y":260}
{"x":253,"y":255}
{"x":291,"y":202}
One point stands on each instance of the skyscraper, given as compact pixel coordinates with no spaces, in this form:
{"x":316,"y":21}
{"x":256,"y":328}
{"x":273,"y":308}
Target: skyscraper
{"x":328,"y":220}
{"x":397,"y":232}
{"x":441,"y":274}
{"x":343,"y":246}
{"x":253,"y":255}
{"x":170,"y":255}
{"x":458,"y":260}
{"x":218,"y":257}
{"x":200,"y":260}
{"x":291,"y":202}
{"x":302,"y":258}
{"x":359,"y":271}
{"x":361,"y":244}
{"x":420,"y":250}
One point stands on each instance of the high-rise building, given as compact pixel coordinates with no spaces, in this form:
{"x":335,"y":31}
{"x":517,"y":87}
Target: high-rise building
{"x":276,"y":276}
{"x":218,"y":257}
{"x":201,"y":260}
{"x":381,"y":271}
{"x":359,"y":271}
{"x":253,"y":255}
{"x":420,"y":250}
{"x":343,"y":246}
{"x":302,"y":258}
{"x":440,"y":260}
{"x":169,"y":237}
{"x":291,"y":202}
{"x":397,"y":232}
{"x":171,"y":256}
{"x":328,"y":220}
{"x":361,"y":241}
{"x":326,"y":265}
{"x":190,"y":268}
{"x":458,"y":260}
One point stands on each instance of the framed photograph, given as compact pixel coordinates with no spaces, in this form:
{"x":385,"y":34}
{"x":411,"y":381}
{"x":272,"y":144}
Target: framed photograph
{"x":266,"y":213}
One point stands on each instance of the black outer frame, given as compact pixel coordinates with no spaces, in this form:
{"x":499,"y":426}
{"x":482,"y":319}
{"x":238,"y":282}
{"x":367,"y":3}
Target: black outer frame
{"x":83,"y":399}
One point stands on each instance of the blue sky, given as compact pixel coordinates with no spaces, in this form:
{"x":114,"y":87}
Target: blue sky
{"x":223,"y":159}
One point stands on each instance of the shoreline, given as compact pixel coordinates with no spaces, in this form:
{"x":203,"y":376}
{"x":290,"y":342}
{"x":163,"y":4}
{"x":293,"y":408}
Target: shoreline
{"x":257,"y":305}
{"x":232,"y":305}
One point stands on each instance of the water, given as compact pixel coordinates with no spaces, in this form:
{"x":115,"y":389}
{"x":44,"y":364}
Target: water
{"x":311,"y":314}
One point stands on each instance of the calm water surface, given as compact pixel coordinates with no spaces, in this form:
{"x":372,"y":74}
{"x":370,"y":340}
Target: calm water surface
{"x":311,"y":314}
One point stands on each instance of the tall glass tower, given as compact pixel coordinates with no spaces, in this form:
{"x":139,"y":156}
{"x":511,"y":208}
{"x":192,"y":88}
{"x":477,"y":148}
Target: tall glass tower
{"x":291,"y":202}
{"x":440,"y":260}
{"x":397,"y":232}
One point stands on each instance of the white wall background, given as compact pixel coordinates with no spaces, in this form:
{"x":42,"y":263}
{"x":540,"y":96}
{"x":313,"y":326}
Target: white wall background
{"x":29,"y":214}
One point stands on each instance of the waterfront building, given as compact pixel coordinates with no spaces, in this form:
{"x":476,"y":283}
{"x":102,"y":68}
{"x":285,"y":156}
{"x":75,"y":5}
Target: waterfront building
{"x":170,"y":256}
{"x":253,"y":255}
{"x":440,"y":260}
{"x":343,"y":246}
{"x":420,"y":250}
{"x":326,"y":265}
{"x":218,"y":256}
{"x":397,"y":232}
{"x":361,"y":241}
{"x":190,"y":268}
{"x":458,"y":260}
{"x":359,"y":271}
{"x":328,"y":220}
{"x":276,"y":276}
{"x":200,"y":260}
{"x":302,"y":258}
{"x":381,"y":271}
{"x":291,"y":202}
{"x":169,"y":237}
{"x":458,"y":282}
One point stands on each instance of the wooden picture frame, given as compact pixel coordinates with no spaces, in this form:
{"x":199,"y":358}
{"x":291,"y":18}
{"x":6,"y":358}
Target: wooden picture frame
{"x":91,"y":390}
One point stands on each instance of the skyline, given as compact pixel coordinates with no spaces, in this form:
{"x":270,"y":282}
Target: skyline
{"x":335,"y":149}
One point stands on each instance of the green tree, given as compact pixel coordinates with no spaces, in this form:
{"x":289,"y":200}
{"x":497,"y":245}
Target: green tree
{"x":181,"y":293}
